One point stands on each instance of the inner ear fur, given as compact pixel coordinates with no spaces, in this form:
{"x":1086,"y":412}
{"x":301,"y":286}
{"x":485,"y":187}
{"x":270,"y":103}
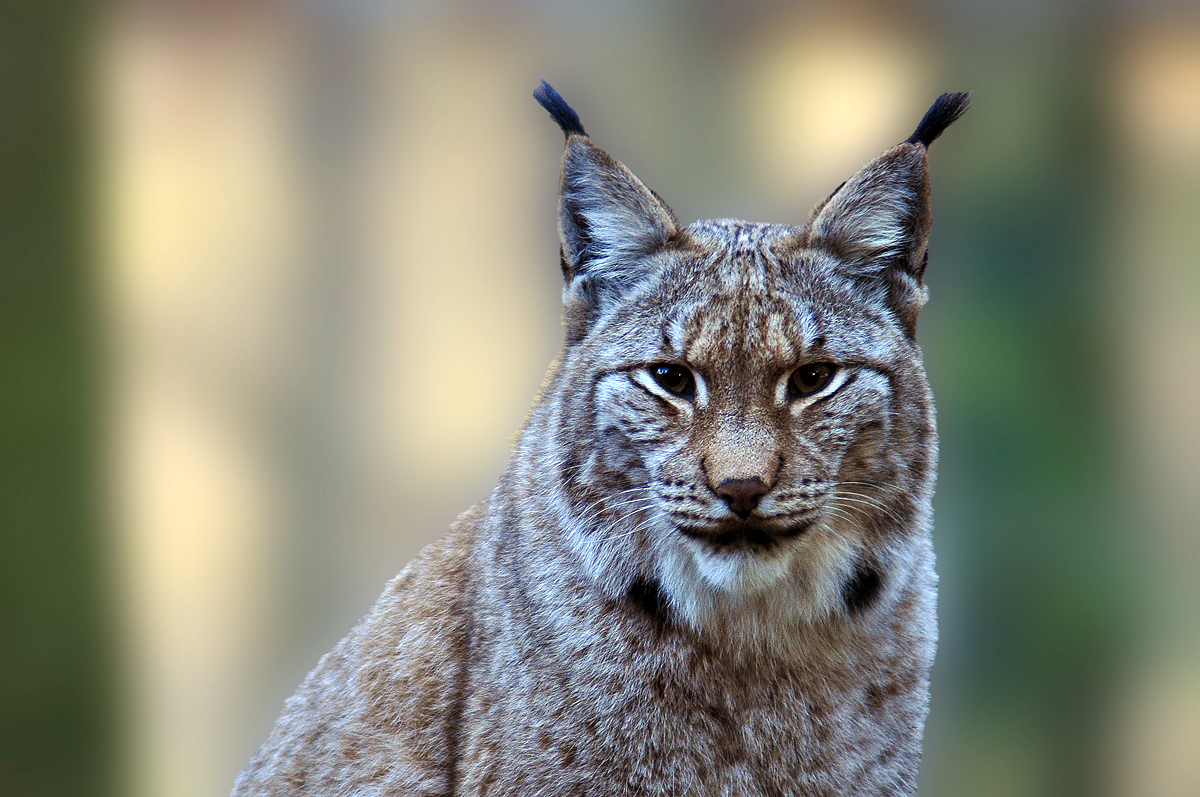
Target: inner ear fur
{"x":608,"y":219}
{"x":877,"y":225}
{"x":609,"y":222}
{"x":877,"y":222}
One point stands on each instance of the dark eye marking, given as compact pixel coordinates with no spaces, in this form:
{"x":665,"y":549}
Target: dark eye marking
{"x":674,"y":379}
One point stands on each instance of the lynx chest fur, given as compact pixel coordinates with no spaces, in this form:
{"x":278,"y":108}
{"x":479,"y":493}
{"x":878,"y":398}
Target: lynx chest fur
{"x":707,"y":569}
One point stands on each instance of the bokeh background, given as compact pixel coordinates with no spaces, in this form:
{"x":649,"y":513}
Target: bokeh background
{"x":278,"y":280}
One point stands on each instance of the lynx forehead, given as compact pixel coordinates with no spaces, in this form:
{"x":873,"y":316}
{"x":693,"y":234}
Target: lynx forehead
{"x":707,"y":568}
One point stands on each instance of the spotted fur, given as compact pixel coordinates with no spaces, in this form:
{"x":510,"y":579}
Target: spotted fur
{"x":721,"y":586}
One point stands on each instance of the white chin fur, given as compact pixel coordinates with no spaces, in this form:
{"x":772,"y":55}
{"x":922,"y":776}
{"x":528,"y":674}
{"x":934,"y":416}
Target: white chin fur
{"x":741,"y":573}
{"x":755,"y":592}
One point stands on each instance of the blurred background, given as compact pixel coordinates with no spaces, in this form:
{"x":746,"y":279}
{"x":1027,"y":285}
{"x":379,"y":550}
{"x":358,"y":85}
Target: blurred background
{"x":279,"y":280}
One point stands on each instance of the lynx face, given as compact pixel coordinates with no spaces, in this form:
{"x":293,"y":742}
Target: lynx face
{"x":744,"y":421}
{"x":758,"y":415}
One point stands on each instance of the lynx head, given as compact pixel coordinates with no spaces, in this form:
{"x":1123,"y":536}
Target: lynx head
{"x":740,"y":424}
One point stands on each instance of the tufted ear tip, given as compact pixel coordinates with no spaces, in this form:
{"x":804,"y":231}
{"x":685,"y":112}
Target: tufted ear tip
{"x":559,"y":111}
{"x":609,"y":222}
{"x":945,"y":111}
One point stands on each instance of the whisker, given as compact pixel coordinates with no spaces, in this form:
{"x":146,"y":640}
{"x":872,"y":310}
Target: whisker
{"x":883,"y":488}
{"x":610,"y":527}
{"x":596,"y":519}
{"x":635,"y":499}
{"x":598,"y":505}
{"x":839,"y":483}
{"x":836,"y":512}
{"x":862,"y":499}
{"x":645,"y":524}
{"x":862,"y":511}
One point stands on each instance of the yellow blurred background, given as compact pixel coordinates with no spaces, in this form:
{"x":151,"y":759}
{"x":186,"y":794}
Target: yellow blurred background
{"x":280,"y":280}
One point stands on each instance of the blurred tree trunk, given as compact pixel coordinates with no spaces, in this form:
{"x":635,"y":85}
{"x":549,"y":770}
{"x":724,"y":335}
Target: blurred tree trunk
{"x":56,"y":718}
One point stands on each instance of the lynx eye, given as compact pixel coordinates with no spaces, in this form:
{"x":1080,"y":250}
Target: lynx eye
{"x":809,"y":379}
{"x":675,"y":379}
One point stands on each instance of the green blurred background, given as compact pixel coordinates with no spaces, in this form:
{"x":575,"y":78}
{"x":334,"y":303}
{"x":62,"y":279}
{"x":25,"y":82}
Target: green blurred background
{"x":279,"y":280}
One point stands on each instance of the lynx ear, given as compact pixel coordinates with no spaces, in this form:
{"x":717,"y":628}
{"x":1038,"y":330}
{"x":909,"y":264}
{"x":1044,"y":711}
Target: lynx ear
{"x":608,"y":219}
{"x":877,"y":222}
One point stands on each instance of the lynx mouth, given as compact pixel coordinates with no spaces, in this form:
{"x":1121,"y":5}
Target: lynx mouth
{"x":741,"y":535}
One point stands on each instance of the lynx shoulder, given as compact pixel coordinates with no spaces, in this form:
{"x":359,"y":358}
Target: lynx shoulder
{"x":707,"y":568}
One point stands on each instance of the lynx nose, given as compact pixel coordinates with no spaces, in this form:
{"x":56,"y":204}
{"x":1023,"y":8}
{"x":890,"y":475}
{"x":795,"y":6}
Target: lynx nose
{"x":742,"y":494}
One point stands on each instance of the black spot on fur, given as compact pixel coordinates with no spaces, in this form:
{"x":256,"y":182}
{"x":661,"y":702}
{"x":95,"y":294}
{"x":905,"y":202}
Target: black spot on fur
{"x":560,"y":112}
{"x":646,"y":593}
{"x":940,"y":115}
{"x":862,"y":589}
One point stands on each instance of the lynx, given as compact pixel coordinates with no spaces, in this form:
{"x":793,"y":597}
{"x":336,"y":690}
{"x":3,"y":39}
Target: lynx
{"x":707,"y":568}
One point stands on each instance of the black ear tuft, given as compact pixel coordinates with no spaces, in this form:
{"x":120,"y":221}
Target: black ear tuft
{"x":941,"y":115}
{"x":562,"y":113}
